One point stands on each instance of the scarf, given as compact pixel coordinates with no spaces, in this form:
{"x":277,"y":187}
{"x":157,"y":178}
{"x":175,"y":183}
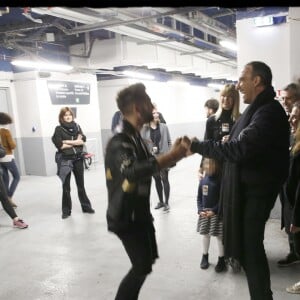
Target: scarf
{"x":71,"y":127}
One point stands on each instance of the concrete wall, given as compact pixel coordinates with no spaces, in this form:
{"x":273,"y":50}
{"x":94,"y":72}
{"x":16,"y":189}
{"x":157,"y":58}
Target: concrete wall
{"x":37,"y":117}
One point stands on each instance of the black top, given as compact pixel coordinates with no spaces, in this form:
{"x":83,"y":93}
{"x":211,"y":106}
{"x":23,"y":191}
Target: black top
{"x":129,"y":167}
{"x":68,"y":132}
{"x":216,"y":129}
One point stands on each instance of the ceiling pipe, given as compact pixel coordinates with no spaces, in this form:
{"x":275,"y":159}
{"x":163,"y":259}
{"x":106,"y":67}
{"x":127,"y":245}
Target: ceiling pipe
{"x":128,"y":28}
{"x":110,"y":24}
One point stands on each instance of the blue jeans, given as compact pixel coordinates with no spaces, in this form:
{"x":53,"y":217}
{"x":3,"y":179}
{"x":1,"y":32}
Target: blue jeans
{"x":10,"y":167}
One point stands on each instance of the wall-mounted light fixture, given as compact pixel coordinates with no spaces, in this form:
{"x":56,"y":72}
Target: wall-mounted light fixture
{"x":269,"y":20}
{"x":40,"y":65}
{"x":263,"y":21}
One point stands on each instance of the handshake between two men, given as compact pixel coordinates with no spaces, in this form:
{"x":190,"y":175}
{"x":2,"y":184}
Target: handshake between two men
{"x":179,"y":150}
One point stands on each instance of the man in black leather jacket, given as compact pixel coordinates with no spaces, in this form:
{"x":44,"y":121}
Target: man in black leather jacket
{"x":256,"y":162}
{"x":129,"y":167}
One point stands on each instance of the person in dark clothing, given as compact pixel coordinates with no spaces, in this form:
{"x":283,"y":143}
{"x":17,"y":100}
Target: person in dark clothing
{"x":128,"y":167}
{"x":209,"y":224}
{"x":220,"y":124}
{"x":292,"y":191}
{"x":69,"y":139}
{"x":8,"y":208}
{"x":255,"y":165}
{"x":158,"y":140}
{"x":286,"y":207}
{"x":211,"y":106}
{"x":160,"y":115}
{"x":290,"y":94}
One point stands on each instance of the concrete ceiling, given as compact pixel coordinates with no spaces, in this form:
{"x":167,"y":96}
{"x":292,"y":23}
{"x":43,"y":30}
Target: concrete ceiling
{"x":52,"y":31}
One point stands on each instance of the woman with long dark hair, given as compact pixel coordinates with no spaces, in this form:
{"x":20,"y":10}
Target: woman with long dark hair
{"x":8,"y":162}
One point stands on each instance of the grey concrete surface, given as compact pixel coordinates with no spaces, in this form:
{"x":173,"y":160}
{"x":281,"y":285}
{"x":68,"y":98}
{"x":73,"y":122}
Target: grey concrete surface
{"x":78,"y":259}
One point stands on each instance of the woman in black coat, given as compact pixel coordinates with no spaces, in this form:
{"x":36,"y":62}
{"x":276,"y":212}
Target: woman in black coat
{"x":69,"y":140}
{"x":292,"y":194}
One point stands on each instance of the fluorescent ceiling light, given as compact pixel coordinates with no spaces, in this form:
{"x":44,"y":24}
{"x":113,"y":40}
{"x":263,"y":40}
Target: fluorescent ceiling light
{"x":41,"y":65}
{"x":178,"y":82}
{"x":138,"y":75}
{"x":229,"y":45}
{"x":263,"y":21}
{"x":217,"y":86}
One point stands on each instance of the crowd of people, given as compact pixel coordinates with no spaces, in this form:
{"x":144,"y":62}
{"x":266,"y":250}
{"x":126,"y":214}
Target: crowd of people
{"x":239,"y":177}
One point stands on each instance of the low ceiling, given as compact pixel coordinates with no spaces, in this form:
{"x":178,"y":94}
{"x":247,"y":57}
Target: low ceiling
{"x":51,"y":31}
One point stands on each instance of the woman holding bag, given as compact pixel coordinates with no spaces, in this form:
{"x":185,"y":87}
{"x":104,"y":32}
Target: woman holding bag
{"x":69,"y":140}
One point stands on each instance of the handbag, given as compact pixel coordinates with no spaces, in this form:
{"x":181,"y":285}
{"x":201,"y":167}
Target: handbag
{"x":2,"y":151}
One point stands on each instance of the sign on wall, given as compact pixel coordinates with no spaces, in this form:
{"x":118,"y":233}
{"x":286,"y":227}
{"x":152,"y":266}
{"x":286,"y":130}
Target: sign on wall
{"x":68,"y":92}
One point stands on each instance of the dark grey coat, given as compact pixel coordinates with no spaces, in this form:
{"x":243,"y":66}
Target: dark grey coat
{"x":256,"y":156}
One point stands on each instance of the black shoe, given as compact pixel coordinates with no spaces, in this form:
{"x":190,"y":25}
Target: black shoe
{"x":64,"y":216}
{"x":159,"y":205}
{"x":88,"y":210}
{"x":221,"y":265}
{"x":291,"y":259}
{"x":204,"y":262}
{"x":166,"y":207}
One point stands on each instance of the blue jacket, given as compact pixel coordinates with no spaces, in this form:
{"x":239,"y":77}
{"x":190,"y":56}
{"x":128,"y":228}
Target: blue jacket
{"x":209,"y":193}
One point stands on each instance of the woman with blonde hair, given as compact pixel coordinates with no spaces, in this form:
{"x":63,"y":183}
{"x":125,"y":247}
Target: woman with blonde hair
{"x":292,"y":189}
{"x":218,"y":127}
{"x":220,"y":124}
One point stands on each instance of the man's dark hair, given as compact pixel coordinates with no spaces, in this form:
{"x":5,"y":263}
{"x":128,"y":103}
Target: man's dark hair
{"x":294,"y":88}
{"x":5,"y":118}
{"x":133,"y":94}
{"x":212,"y":104}
{"x":263,"y":71}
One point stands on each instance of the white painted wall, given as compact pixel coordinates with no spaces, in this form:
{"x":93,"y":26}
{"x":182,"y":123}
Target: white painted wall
{"x":178,"y":103}
{"x":32,"y":107}
{"x":181,"y":105}
{"x":294,"y":50}
{"x":36,"y":109}
{"x":270,"y":44}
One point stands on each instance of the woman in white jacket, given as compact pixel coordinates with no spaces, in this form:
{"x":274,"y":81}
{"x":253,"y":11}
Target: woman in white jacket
{"x":157,"y":137}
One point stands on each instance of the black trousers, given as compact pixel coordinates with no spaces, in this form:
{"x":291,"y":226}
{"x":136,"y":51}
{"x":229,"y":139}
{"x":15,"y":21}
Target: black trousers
{"x":78,"y":171}
{"x":258,"y":202}
{"x":141,"y":248}
{"x":162,"y":185}
{"x":4,"y":200}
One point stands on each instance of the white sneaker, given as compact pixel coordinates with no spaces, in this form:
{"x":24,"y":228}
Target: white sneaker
{"x":294,"y":289}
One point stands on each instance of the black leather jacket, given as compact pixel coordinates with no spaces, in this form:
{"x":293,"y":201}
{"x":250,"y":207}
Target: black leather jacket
{"x":129,"y":167}
{"x":61,"y":134}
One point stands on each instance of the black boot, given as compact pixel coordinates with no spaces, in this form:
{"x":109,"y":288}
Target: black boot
{"x":221,"y":265}
{"x":204,"y":262}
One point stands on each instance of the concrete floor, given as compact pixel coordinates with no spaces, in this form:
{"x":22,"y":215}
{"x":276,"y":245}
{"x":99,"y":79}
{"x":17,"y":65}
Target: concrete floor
{"x":78,"y":259}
